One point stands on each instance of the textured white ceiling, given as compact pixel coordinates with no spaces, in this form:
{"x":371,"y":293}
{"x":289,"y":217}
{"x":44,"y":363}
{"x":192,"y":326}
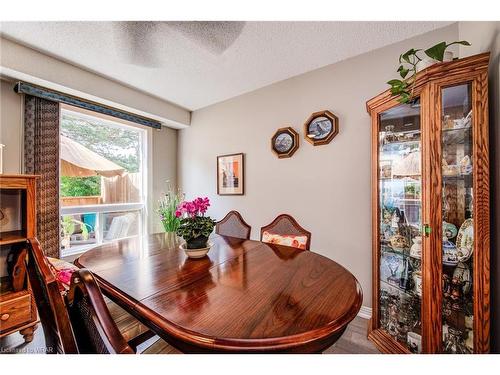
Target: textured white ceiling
{"x":198,"y":64}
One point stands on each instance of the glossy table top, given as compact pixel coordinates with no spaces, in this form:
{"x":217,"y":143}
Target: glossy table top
{"x":245,"y":296}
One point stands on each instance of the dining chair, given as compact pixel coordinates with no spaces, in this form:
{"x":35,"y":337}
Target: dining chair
{"x":284,"y":230}
{"x":59,"y":337}
{"x":233,"y":225}
{"x":77,"y":321}
{"x":93,"y":326}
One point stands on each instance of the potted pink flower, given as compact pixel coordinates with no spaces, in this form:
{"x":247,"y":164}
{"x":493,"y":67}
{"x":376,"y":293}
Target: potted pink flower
{"x":194,"y":226}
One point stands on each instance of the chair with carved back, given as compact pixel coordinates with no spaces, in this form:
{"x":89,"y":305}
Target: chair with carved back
{"x":78,"y":322}
{"x":284,"y":230}
{"x":233,"y":225}
{"x":59,"y":337}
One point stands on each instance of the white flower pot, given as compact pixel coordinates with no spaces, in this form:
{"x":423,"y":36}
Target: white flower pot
{"x":196,"y":253}
{"x":427,"y":61}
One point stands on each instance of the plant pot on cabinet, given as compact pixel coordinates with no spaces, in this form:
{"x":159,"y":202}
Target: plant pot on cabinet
{"x":427,"y":61}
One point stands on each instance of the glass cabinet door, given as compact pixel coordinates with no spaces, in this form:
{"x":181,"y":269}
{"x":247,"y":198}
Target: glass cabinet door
{"x":400,"y":213}
{"x":457,"y":216}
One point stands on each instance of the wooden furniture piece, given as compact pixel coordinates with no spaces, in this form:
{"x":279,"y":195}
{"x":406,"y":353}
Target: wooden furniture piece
{"x":59,"y":337}
{"x":233,"y":225}
{"x":284,"y":225}
{"x":430,"y":213}
{"x":76,"y":322}
{"x":17,"y":223}
{"x":245,"y":296}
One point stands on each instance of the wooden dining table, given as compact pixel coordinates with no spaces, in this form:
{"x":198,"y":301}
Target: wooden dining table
{"x":246,"y":296}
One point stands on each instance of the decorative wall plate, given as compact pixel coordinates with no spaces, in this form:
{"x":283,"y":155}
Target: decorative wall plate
{"x":398,"y":242}
{"x":449,"y":230}
{"x":463,"y":254}
{"x":285,"y":142}
{"x":450,"y":255}
{"x":465,"y":237}
{"x":321,"y":127}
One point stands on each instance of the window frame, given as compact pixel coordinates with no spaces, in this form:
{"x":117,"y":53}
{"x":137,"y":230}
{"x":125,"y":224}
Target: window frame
{"x":98,"y":209}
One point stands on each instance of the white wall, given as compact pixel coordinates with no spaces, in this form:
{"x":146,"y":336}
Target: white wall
{"x":326,"y":188}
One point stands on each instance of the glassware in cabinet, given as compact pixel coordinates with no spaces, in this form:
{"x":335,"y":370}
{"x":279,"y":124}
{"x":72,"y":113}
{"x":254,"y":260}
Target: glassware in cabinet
{"x":400,"y":224}
{"x":457,"y":191}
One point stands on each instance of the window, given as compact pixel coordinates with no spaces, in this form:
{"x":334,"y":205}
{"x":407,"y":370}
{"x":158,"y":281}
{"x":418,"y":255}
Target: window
{"x":102,"y":181}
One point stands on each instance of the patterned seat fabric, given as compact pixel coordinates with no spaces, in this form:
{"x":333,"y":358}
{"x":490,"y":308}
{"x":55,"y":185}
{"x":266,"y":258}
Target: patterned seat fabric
{"x":285,"y":230}
{"x":298,"y":242}
{"x":62,"y":270}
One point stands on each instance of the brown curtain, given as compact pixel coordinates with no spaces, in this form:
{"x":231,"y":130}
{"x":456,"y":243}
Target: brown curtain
{"x":41,"y":157}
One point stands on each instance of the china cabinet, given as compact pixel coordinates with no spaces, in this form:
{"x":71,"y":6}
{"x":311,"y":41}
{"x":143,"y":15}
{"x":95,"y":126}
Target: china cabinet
{"x":430,"y":213}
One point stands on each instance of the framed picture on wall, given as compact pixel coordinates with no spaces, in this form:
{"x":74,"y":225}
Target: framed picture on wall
{"x":285,"y":142}
{"x":230,"y":174}
{"x":321,"y":127}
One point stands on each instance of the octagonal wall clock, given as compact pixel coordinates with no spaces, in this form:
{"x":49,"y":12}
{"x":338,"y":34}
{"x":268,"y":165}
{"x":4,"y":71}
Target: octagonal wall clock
{"x":285,"y":142}
{"x":321,"y":127}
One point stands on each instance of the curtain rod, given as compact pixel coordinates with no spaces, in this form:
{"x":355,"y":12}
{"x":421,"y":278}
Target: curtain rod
{"x":56,"y":96}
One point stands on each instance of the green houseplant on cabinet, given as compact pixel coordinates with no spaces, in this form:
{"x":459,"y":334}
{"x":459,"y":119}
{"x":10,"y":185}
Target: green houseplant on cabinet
{"x":410,"y":63}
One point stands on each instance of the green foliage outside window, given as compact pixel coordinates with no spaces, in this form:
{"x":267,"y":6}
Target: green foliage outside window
{"x":80,"y":186}
{"x":119,"y":145}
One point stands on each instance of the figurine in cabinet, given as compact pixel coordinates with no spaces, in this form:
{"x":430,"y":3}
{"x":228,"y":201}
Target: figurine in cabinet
{"x":416,"y":248}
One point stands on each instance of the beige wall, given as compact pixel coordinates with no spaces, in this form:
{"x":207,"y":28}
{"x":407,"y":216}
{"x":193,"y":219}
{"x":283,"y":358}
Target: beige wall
{"x":164,"y":167}
{"x":17,"y":60}
{"x":10,"y":127}
{"x":326,"y":188}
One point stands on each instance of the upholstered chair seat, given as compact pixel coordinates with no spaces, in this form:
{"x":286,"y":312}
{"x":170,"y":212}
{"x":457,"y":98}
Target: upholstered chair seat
{"x":284,"y":230}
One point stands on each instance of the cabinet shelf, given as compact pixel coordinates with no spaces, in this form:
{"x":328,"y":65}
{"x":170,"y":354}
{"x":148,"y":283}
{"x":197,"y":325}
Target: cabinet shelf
{"x":389,"y":250}
{"x":408,"y":293}
{"x":11,"y":237}
{"x":399,"y":178}
{"x":456,"y":136}
{"x":466,"y":177}
{"x":400,"y":143}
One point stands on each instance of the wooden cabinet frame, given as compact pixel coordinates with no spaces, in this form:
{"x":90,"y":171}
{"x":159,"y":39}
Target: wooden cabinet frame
{"x":428,"y":87}
{"x":15,"y":301}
